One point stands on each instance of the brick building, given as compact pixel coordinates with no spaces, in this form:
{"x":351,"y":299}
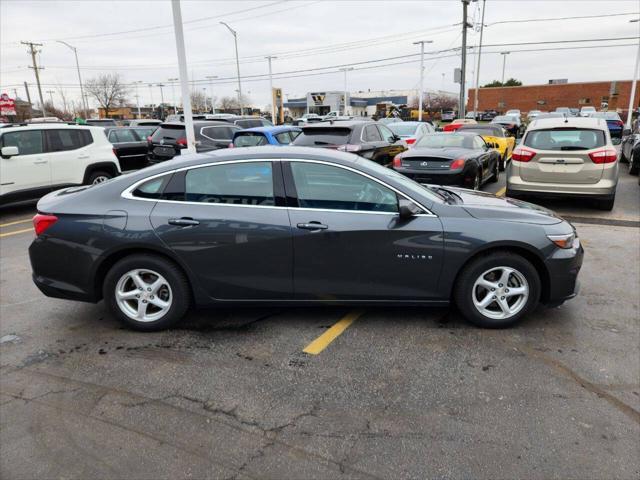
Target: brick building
{"x":611,"y":95}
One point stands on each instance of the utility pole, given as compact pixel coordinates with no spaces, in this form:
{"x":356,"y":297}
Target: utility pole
{"x":463,"y":65}
{"x":26,"y":89}
{"x":421,"y":43}
{"x":173,"y":95}
{"x":32,"y":50}
{"x":75,"y":51}
{"x":138,"y":82}
{"x":635,"y":81}
{"x":477,"y":85}
{"x":273,"y":104}
{"x":346,"y":93}
{"x":184,"y":77}
{"x":504,"y":63}
{"x":235,"y":39}
{"x":210,"y":78}
{"x":161,"y":101}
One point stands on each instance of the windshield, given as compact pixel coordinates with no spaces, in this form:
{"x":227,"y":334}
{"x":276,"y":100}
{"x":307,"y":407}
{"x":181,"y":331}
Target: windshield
{"x":491,"y":131}
{"x":311,"y":137}
{"x":504,"y":118}
{"x":403,"y":128}
{"x":250,"y":140}
{"x":565,"y":139}
{"x":445,"y":141}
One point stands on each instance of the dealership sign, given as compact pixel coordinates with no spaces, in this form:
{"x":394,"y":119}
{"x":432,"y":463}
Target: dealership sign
{"x":7,"y":105}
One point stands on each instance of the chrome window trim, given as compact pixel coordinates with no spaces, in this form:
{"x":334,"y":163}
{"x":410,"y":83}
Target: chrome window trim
{"x":127,"y":193}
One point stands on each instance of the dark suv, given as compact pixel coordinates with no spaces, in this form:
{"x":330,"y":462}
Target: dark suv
{"x":167,"y":141}
{"x":368,"y":139}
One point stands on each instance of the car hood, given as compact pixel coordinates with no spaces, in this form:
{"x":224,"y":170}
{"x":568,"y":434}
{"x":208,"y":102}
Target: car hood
{"x":487,"y":206}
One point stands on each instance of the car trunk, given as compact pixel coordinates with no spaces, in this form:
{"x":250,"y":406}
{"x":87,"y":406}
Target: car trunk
{"x":568,"y":161}
{"x":427,"y":163}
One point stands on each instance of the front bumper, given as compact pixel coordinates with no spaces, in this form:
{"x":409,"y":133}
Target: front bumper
{"x":563,"y":267}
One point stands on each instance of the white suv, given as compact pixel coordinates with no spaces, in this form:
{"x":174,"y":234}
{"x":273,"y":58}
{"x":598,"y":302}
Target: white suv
{"x":38,"y":158}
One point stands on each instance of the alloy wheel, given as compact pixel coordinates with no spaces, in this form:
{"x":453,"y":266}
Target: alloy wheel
{"x":143,"y":295}
{"x":500,"y":293}
{"x":476,"y":182}
{"x":99,"y":179}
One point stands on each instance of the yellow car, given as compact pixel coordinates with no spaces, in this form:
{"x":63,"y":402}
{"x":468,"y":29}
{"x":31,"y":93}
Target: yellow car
{"x":496,"y":137}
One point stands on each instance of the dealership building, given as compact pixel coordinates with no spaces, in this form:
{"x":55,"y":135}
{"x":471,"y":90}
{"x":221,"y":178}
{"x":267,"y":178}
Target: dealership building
{"x":359,"y":104}
{"x":611,"y":95}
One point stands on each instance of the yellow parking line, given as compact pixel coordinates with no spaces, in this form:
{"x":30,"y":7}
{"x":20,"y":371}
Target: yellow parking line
{"x":16,"y":232}
{"x":323,"y":341}
{"x":24,"y":220}
{"x":501,"y":192}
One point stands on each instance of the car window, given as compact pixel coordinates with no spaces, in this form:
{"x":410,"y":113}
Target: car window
{"x":444,"y":141}
{"x":328,"y":187}
{"x":63,"y":140}
{"x":248,"y":183}
{"x":122,"y":135}
{"x":249,"y":123}
{"x":29,"y":142}
{"x":250,"y":139}
{"x":371,"y":134}
{"x":218,"y":133}
{"x":319,"y":136}
{"x":152,"y":188}
{"x":387,"y":135}
{"x":283,"y":138}
{"x":143,"y":133}
{"x":565,"y":139}
{"x":478,"y":143}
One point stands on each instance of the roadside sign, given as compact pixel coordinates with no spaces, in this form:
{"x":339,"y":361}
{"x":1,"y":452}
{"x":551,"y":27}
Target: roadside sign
{"x":7,"y":105}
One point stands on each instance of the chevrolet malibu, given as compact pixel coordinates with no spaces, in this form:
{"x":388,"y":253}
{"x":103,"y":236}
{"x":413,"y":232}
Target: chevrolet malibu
{"x":297,"y":226}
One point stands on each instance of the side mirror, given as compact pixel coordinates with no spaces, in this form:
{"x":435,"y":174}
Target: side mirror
{"x":407,"y":209}
{"x":626,"y":132}
{"x":8,"y":152}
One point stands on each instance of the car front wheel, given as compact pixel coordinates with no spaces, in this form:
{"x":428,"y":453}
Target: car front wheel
{"x":497,"y":290}
{"x":147,"y":292}
{"x":99,"y":177}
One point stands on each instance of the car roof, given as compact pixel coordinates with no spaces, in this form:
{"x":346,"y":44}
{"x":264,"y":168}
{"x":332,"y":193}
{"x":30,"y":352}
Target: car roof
{"x":339,"y":124}
{"x":274,"y":129}
{"x":53,"y":125}
{"x":584,"y":122}
{"x":203,"y":123}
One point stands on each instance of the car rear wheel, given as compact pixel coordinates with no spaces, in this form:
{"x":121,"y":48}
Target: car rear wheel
{"x":634,"y":164}
{"x":497,"y":290}
{"x":147,"y":292}
{"x":99,"y":177}
{"x":477,"y":181}
{"x":503,"y":162}
{"x":495,"y":176}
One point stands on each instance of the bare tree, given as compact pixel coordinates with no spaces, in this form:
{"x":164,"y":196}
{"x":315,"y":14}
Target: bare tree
{"x":231,"y":103}
{"x":63,"y":95}
{"x":199,"y":101}
{"x":108,"y":90}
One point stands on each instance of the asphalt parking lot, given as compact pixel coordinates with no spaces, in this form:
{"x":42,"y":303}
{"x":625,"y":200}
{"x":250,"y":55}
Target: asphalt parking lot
{"x":398,"y":393}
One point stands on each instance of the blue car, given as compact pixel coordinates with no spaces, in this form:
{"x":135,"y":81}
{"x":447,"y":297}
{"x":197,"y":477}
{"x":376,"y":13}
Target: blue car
{"x":255,"y":137}
{"x":614,"y":122}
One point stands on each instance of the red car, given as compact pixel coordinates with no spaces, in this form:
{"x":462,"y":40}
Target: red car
{"x":457,"y":123}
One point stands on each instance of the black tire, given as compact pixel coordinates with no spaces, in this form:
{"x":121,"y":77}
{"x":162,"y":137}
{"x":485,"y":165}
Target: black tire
{"x":634,"y":164}
{"x":495,"y":176}
{"x":503,"y":162}
{"x":606,"y":204}
{"x":463,"y":288}
{"x":623,"y":157}
{"x":98,"y":176}
{"x":180,"y":290}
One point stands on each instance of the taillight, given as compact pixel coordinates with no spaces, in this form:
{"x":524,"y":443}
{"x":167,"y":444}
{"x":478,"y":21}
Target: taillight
{"x":608,"y":155}
{"x":41,"y":222}
{"x":619,"y":123}
{"x":182,"y":142}
{"x":410,"y":141}
{"x":114,"y":151}
{"x":457,"y":164}
{"x":522,"y":155}
{"x":397,"y":160}
{"x":231,"y":145}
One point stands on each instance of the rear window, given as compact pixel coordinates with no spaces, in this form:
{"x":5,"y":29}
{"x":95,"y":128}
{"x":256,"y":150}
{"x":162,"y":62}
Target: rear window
{"x":402,"y":128}
{"x":565,"y":139}
{"x":168,"y":133}
{"x":250,"y":140}
{"x":249,"y":123}
{"x":313,"y":137}
{"x":446,"y":141}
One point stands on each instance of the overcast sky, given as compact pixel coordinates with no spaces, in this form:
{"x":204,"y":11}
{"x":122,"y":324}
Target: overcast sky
{"x":308,"y":35}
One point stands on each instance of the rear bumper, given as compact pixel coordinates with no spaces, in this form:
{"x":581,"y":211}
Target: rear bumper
{"x":57,"y":289}
{"x":458,"y":178}
{"x":605,"y":188}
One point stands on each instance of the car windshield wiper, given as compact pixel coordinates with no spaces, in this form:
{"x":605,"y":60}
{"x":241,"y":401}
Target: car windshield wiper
{"x":320,"y":142}
{"x":448,"y":195}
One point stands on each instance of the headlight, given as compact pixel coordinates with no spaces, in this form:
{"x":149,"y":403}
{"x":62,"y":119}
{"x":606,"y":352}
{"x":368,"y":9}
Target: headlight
{"x":564,"y":241}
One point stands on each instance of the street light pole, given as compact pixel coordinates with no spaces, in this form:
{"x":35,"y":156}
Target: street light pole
{"x":210,"y":78}
{"x":504,"y":63}
{"x":75,"y":52}
{"x":273,"y":104}
{"x":345,"y":70}
{"x":634,"y":82}
{"x":138,"y":82}
{"x":235,"y":39}
{"x":477,"y":86}
{"x":173,"y":94}
{"x":161,"y":100}
{"x":421,"y":43}
{"x":184,"y":77}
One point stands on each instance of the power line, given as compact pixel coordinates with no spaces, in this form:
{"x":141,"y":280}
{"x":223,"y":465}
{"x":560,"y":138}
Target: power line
{"x":526,"y":20}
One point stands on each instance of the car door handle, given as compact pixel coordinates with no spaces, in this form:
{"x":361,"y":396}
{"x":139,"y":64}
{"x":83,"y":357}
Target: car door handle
{"x":183,"y":222}
{"x":39,"y":162}
{"x":312,"y":226}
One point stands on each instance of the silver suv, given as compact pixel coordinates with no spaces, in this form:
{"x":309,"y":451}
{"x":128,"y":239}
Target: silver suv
{"x":565,"y":157}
